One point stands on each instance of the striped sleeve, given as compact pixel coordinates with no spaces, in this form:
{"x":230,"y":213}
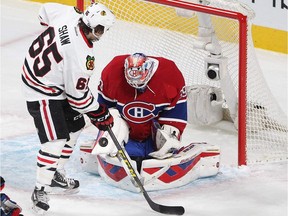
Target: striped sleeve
{"x":84,"y":103}
{"x":30,"y":80}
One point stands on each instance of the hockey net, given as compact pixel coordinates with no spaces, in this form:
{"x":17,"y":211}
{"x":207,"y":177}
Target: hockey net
{"x":180,"y":31}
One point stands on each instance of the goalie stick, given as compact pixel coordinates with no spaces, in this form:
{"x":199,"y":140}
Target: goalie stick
{"x":176,"y":210}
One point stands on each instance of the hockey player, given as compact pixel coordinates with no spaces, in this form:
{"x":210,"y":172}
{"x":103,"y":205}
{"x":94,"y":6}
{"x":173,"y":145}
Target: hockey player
{"x":55,"y":77}
{"x":8,"y":207}
{"x":147,"y":99}
{"x":149,"y":94}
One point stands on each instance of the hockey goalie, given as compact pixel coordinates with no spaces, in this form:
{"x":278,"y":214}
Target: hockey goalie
{"x":149,"y":108}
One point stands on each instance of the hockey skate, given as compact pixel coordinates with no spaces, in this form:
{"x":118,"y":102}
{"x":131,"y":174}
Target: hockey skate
{"x":40,"y":201}
{"x":62,"y":185}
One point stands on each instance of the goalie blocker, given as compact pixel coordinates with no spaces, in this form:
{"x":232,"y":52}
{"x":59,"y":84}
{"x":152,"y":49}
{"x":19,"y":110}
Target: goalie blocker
{"x":196,"y":160}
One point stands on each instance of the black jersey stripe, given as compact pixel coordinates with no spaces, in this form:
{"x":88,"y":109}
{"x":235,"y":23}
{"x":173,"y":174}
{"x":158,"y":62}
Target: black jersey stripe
{"x":31,"y":81}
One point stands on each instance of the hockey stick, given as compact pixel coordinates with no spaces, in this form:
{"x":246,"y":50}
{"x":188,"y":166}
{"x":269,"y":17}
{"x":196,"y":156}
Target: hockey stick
{"x":176,"y":210}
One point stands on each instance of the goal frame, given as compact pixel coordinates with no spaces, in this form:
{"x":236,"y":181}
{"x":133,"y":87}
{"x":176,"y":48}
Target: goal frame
{"x":242,"y":67}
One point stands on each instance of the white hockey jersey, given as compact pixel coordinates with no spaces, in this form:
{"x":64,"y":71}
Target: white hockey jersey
{"x":60,"y":60}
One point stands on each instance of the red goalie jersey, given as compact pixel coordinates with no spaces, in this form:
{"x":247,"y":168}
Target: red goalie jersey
{"x":162,"y":100}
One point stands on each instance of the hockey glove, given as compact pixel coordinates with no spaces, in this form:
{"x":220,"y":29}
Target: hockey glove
{"x":101,"y":118}
{"x":167,"y":142}
{"x":9,"y":207}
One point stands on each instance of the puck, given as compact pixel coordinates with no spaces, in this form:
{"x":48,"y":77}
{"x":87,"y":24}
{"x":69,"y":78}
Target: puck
{"x":103,"y":142}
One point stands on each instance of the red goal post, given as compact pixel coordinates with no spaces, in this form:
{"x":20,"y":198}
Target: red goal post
{"x":243,"y":28}
{"x":82,"y":4}
{"x":153,"y":27}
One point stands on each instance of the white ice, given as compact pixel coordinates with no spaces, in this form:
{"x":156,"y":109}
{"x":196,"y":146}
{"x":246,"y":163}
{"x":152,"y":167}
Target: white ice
{"x":246,"y":191}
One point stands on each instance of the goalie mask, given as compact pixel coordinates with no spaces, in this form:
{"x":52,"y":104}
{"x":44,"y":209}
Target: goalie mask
{"x":98,"y":18}
{"x":138,"y":69}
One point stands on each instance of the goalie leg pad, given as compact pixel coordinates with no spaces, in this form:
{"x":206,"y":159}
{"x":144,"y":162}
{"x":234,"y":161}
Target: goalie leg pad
{"x":89,"y":162}
{"x":197,"y":160}
{"x":113,"y":172}
{"x":194,"y":161}
{"x":210,"y":160}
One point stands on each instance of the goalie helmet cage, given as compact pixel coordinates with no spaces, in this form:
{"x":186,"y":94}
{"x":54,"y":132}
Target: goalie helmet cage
{"x":177,"y":30}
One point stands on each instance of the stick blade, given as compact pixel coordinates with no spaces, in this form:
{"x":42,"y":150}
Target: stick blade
{"x":172,"y":210}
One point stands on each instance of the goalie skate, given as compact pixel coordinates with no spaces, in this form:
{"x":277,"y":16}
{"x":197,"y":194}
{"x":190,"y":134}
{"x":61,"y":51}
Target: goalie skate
{"x":62,"y":185}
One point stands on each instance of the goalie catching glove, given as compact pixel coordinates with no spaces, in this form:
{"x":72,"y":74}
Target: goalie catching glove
{"x":167,"y":142}
{"x":101,"y":118}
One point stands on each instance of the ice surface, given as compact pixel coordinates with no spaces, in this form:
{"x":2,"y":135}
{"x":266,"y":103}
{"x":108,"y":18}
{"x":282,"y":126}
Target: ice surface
{"x":245,"y":191}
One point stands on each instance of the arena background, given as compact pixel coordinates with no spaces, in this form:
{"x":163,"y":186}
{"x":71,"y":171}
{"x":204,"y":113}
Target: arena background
{"x":269,"y":28}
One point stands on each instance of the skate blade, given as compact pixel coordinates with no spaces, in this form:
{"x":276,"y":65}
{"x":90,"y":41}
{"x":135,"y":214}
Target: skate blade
{"x":38,"y":211}
{"x":61,"y":191}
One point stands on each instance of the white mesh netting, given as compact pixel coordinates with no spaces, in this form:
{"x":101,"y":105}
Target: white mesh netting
{"x":157,"y":30}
